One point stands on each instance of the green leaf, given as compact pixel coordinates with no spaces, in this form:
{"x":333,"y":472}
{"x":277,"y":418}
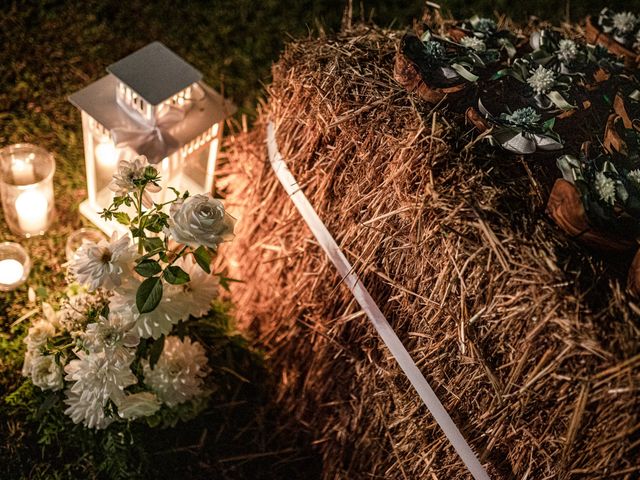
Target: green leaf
{"x":203,"y":257}
{"x":149,"y":294}
{"x":175,"y":275}
{"x":155,"y":351}
{"x":122,"y":218}
{"x":148,"y":268}
{"x":151,"y":244}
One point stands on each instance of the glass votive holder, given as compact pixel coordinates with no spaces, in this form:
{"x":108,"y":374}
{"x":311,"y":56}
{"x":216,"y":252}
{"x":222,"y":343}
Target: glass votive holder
{"x":26,"y":188}
{"x":15,"y":266}
{"x":78,"y":237}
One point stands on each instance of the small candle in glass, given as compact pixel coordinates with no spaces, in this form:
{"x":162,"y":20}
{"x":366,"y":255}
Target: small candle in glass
{"x":26,"y":188}
{"x":15,"y":266}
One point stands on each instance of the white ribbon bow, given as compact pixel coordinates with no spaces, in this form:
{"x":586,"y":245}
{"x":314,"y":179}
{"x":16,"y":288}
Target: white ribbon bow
{"x":152,"y":137}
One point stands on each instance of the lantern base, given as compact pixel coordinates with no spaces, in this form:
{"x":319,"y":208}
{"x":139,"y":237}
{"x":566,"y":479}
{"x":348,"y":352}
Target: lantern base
{"x":92,"y":213}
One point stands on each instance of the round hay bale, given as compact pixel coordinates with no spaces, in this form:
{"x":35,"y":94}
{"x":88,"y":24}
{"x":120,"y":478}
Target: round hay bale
{"x":528,"y":339}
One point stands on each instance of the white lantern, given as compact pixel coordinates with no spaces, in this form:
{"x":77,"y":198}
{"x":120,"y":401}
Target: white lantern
{"x":151,"y":103}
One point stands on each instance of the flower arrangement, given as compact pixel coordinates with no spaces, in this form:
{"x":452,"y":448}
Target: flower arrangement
{"x":522,"y":131}
{"x":124,"y":344}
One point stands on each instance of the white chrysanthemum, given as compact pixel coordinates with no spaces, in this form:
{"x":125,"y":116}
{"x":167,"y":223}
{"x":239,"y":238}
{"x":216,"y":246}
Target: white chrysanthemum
{"x":46,"y":373}
{"x":179,"y":374}
{"x":624,"y":22}
{"x":103,"y":264}
{"x":114,"y":335}
{"x":525,"y":117}
{"x":99,"y":374}
{"x":473,"y":43}
{"x":567,"y":50}
{"x":634,"y":176}
{"x":194,"y":297}
{"x":153,"y":324}
{"x":129,"y":171}
{"x":86,"y":408}
{"x":606,"y":188}
{"x":138,"y":405}
{"x":542,"y":80}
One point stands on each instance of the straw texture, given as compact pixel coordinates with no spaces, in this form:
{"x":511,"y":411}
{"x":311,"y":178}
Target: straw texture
{"x":529,"y":340}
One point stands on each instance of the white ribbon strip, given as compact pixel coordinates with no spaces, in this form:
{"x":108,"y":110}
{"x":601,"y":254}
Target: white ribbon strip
{"x":389,"y":337}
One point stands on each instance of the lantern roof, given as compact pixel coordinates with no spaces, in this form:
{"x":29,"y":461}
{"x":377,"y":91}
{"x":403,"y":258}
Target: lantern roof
{"x":155,"y":73}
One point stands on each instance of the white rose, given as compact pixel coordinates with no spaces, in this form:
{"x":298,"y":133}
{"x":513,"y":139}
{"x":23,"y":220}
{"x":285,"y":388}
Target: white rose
{"x":200,"y":220}
{"x":46,"y":373}
{"x":39,"y":333}
{"x":138,"y":405}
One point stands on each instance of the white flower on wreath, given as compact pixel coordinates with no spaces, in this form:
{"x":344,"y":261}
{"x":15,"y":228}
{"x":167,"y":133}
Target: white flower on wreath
{"x":138,"y":405}
{"x":567,"y":50}
{"x":634,"y":176}
{"x":624,"y":22}
{"x":114,"y":335}
{"x":200,"y":220}
{"x":606,"y":188}
{"x":103,"y":265}
{"x":179,"y":374}
{"x":46,"y":373}
{"x":541,"y":80}
{"x":159,"y":321}
{"x":128,"y":172}
{"x":473,"y":43}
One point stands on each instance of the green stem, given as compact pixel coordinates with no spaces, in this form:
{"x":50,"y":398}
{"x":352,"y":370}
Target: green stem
{"x":140,"y":224}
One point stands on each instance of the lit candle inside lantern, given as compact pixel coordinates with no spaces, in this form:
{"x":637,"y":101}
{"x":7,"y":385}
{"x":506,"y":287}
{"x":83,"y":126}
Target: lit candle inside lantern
{"x":23,"y":172}
{"x":32,"y":208}
{"x":11,"y":271}
{"x":107,"y":155}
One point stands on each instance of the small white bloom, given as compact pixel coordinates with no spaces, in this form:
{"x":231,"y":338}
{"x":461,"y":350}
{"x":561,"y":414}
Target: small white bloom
{"x":485,"y":25}
{"x":46,"y":373}
{"x":99,"y":374}
{"x":138,"y":405}
{"x":86,"y":408}
{"x":103,"y":264}
{"x":634,"y":176}
{"x":38,"y":334}
{"x":525,"y":117}
{"x":179,"y":374}
{"x":114,"y":335}
{"x":75,"y":310}
{"x":130,"y":171}
{"x":542,"y":80}
{"x":624,"y":22}
{"x":200,"y":220}
{"x":473,"y":43}
{"x":159,"y":321}
{"x":606,"y":188}
{"x":567,"y":50}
